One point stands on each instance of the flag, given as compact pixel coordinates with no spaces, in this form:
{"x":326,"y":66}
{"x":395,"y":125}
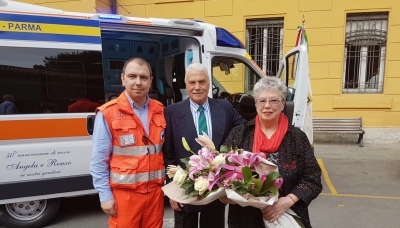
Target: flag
{"x":307,"y":126}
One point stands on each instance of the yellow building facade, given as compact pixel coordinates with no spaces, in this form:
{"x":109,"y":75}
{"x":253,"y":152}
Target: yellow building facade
{"x":336,"y":46}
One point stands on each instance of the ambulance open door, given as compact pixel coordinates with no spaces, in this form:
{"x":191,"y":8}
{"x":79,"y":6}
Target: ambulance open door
{"x":294,"y":71}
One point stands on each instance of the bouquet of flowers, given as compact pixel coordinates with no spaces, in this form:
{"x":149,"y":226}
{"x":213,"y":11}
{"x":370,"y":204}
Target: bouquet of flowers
{"x":193,"y":185}
{"x":244,"y":177}
{"x":257,"y":190}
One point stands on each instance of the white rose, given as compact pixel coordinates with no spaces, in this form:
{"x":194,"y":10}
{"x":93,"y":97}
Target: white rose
{"x":180,"y":176}
{"x":201,"y":184}
{"x":220,"y":158}
{"x":171,"y":170}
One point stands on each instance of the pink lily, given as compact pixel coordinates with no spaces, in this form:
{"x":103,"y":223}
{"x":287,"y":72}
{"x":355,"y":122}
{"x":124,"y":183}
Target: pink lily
{"x":207,"y":154}
{"x":235,"y":176}
{"x":211,"y":176}
{"x":278,"y":182}
{"x":197,"y":164}
{"x":193,"y":171}
{"x":214,"y":175}
{"x":248,"y":159}
{"x":204,"y":140}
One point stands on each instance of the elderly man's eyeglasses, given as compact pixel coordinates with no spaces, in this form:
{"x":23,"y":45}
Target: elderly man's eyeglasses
{"x":272,"y":102}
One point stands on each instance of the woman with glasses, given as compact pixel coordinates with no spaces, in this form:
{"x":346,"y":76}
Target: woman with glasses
{"x":286,"y":146}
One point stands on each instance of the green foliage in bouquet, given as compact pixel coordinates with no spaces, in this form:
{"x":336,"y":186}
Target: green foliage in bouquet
{"x":260,"y":186}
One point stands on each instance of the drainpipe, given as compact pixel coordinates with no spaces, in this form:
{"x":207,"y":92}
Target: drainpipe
{"x":114,"y":6}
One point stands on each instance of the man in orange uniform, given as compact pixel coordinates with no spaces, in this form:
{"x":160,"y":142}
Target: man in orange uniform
{"x":127,"y":162}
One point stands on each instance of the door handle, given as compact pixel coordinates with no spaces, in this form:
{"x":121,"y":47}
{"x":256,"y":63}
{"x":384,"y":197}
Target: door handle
{"x":90,"y":124}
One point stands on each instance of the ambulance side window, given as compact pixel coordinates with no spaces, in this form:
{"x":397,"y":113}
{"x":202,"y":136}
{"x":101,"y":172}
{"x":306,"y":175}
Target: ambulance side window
{"x":231,"y":78}
{"x":65,"y":79}
{"x":287,"y":72}
{"x":45,"y":80}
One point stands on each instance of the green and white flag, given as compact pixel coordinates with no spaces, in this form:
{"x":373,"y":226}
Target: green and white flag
{"x":307,"y":126}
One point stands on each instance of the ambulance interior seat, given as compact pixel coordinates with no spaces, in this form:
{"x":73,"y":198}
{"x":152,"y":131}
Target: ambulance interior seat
{"x":178,"y":72}
{"x":153,"y":94}
{"x":288,"y":110}
{"x":247,"y":107}
{"x":176,"y":91}
{"x":170,"y":95}
{"x":166,"y":95}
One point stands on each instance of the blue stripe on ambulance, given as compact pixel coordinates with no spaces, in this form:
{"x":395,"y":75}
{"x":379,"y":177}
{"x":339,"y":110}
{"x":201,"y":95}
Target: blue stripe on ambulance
{"x":50,"y":37}
{"x":48,"y":20}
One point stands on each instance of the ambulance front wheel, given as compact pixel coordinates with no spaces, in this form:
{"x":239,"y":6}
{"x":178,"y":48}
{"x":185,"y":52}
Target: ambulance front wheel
{"x":33,"y":213}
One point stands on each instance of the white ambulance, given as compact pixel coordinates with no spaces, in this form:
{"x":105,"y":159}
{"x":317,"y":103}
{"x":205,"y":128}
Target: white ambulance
{"x":51,"y":59}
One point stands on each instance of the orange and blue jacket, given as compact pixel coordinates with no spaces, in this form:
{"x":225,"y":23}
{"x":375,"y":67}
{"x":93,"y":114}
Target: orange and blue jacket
{"x":136,"y":162}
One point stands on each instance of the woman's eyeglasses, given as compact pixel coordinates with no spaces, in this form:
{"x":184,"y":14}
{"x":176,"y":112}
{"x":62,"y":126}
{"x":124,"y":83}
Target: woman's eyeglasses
{"x":272,"y":102}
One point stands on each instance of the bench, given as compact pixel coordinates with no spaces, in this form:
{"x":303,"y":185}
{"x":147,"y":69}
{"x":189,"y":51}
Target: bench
{"x":339,"y":126}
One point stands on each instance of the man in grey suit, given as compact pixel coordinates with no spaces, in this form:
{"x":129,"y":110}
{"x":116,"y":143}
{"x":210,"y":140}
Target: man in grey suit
{"x":186,"y":119}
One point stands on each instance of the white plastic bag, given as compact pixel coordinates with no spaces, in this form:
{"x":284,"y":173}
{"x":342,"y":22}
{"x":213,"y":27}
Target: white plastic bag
{"x":285,"y":221}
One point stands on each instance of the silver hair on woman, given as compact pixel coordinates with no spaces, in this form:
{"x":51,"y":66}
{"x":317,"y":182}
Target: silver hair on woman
{"x":196,"y":66}
{"x":269,"y":83}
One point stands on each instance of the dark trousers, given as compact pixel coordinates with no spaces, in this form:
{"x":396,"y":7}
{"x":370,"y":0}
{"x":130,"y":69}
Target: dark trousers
{"x":212,"y":216}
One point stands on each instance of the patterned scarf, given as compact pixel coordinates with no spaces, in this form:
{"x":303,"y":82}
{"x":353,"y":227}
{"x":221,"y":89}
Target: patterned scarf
{"x":261,"y":141}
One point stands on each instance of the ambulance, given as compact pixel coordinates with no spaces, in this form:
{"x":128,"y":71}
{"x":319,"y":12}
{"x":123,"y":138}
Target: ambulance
{"x":51,"y":59}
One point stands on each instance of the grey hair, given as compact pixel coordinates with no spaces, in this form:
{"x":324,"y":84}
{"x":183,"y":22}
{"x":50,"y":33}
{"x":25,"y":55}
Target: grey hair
{"x":268,"y":83}
{"x":196,"y":67}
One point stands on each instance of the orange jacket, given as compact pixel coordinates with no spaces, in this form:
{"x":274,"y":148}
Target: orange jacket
{"x":135,"y":163}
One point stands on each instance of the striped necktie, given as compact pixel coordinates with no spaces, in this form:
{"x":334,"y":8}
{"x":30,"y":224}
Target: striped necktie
{"x":202,"y":121}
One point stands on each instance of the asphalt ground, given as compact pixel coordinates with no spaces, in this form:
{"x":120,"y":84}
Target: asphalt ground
{"x":361,"y":189}
{"x":361,"y":186}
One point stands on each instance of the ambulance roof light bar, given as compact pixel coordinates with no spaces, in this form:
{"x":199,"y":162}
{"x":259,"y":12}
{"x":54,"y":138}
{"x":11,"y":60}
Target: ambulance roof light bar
{"x":110,"y":18}
{"x":183,"y":22}
{"x":227,"y":39}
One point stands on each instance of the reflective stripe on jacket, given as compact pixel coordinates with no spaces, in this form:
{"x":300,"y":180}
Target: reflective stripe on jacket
{"x":135,"y":163}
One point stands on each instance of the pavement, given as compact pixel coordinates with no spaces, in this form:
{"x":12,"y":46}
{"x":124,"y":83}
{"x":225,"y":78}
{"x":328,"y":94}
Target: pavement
{"x":360,"y":186}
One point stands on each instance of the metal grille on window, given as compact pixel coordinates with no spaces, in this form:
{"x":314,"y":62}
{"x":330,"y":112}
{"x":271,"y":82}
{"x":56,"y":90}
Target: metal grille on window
{"x":365,"y":52}
{"x":264,"y":39}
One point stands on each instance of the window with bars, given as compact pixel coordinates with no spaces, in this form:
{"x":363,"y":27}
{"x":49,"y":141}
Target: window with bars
{"x":365,"y":52}
{"x":264,"y":39}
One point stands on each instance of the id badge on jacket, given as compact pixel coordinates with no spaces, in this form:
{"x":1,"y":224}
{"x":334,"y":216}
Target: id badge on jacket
{"x":127,"y":140}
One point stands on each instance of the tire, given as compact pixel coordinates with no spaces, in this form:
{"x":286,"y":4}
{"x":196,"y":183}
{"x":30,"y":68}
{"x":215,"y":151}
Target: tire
{"x":32,"y":214}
